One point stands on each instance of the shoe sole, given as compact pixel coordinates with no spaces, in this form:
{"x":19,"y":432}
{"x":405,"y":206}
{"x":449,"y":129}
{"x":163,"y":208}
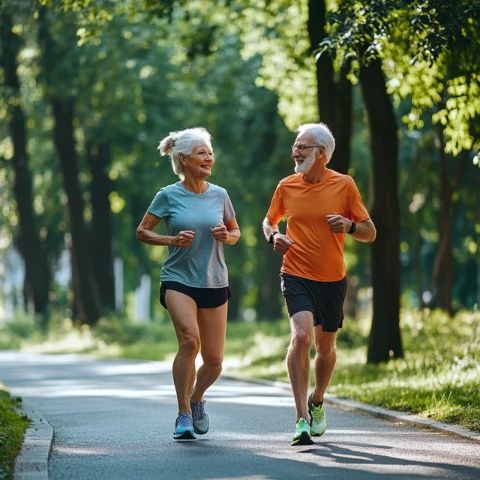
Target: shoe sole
{"x":200,"y":432}
{"x":303,"y":439}
{"x":187,"y":435}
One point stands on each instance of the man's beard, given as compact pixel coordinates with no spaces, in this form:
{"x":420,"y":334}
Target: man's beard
{"x":306,"y":164}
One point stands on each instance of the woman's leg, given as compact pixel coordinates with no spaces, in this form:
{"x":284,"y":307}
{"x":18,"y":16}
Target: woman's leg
{"x":183,"y":312}
{"x":212,"y":323}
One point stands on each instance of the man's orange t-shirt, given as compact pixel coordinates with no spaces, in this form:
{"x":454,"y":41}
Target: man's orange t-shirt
{"x":317,"y":252}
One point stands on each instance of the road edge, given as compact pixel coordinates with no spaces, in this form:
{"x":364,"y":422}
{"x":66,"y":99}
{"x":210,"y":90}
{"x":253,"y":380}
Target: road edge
{"x":391,"y":415}
{"x":32,"y":461}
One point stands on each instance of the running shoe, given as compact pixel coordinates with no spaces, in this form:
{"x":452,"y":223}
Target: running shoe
{"x":318,"y":420}
{"x":302,"y":433}
{"x":200,"y":418}
{"x":183,"y":427}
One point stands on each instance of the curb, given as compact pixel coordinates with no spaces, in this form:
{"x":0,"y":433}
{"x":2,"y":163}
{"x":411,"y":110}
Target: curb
{"x":391,"y":415}
{"x":32,"y":461}
{"x":403,"y":417}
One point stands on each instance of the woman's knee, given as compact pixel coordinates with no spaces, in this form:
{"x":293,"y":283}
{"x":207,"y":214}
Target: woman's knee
{"x":213,"y":360}
{"x":189,"y":343}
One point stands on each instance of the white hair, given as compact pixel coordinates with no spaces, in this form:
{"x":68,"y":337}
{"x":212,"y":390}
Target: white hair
{"x":183,"y":142}
{"x":321,"y":134}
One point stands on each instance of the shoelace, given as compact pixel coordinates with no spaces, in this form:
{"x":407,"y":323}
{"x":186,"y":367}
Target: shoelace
{"x":317,"y":412}
{"x":198,"y":409}
{"x":184,"y":420}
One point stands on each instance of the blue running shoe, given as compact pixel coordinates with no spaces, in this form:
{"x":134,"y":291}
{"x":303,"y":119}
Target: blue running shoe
{"x":200,"y":418}
{"x":184,"y":427}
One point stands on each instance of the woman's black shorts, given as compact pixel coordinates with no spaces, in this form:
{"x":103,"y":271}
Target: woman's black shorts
{"x":203,"y":297}
{"x":323,"y":299}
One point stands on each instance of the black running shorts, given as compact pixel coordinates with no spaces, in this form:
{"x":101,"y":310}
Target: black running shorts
{"x":203,"y":297}
{"x":323,"y":299}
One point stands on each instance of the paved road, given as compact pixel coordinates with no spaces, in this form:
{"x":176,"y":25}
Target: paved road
{"x":113,"y":419}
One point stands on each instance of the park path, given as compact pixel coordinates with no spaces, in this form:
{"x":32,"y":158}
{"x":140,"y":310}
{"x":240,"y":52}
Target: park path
{"x":113,"y":419}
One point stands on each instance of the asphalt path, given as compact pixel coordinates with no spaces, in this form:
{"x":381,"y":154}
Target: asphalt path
{"x":113,"y":419}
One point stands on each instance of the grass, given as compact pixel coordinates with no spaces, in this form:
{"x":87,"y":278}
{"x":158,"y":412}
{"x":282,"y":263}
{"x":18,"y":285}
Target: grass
{"x":12,"y":429}
{"x":439,"y":376}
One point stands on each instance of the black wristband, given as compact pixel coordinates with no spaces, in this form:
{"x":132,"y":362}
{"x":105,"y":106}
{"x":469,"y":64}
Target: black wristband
{"x":353,"y":227}
{"x":270,"y":240}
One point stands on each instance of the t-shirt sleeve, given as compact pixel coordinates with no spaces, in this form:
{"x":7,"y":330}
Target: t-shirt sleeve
{"x":276,"y":211}
{"x":228,"y":210}
{"x":159,"y":205}
{"x":358,"y":211}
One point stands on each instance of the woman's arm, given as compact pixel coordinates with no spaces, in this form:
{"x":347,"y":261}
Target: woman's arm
{"x":146,"y":234}
{"x":228,"y":233}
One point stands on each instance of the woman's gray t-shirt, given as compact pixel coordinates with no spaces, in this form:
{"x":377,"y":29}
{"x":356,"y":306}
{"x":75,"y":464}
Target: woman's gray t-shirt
{"x":203,"y":263}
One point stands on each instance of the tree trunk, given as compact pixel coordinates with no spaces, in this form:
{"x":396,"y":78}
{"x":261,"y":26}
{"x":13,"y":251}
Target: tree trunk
{"x":37,"y":272}
{"x":334,"y":97}
{"x":101,"y":228}
{"x":86,"y":294}
{"x":443,"y":267}
{"x":384,"y":341}
{"x":56,"y":56}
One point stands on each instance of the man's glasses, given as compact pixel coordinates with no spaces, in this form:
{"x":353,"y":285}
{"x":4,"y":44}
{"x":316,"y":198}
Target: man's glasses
{"x":301,"y":147}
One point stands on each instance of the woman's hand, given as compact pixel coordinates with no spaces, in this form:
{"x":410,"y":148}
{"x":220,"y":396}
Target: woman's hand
{"x":183,"y":239}
{"x":220,"y":233}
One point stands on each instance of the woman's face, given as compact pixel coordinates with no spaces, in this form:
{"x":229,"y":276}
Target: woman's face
{"x":199,"y":163}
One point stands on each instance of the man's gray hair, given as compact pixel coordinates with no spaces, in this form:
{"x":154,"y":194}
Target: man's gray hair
{"x":321,"y":134}
{"x":183,"y":142}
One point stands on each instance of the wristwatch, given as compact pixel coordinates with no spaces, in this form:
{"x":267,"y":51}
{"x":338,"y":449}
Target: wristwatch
{"x":270,"y":240}
{"x":353,"y":227}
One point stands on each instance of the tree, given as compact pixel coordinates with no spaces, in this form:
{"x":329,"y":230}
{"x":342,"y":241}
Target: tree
{"x":37,"y":273}
{"x":384,"y":341}
{"x":334,"y":89}
{"x":57,"y":76}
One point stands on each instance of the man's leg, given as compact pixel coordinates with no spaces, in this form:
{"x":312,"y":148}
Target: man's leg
{"x":298,"y":359}
{"x":325,"y":359}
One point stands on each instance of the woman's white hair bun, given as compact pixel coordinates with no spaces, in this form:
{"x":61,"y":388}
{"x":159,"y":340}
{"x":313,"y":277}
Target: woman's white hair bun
{"x":166,"y":145}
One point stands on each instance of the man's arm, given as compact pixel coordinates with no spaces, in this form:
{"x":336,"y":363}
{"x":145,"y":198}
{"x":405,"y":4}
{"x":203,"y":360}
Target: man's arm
{"x":363,"y":232}
{"x":268,"y":229}
{"x":281,"y":243}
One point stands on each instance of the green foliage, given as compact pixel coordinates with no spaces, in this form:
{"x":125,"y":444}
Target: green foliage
{"x":430,"y":52}
{"x":12,"y":430}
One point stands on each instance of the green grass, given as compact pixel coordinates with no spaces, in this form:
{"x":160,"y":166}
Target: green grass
{"x":12,"y":429}
{"x":439,"y":376}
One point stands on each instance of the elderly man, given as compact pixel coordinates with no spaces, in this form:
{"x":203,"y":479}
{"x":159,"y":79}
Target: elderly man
{"x":321,"y":206}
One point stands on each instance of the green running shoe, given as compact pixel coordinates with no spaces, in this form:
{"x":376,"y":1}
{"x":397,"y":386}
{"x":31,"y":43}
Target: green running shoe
{"x":302,"y":433}
{"x":318,"y":420}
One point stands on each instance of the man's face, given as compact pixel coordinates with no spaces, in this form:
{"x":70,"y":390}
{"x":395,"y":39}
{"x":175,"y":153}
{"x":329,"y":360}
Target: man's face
{"x":304,"y":163}
{"x":304,"y":153}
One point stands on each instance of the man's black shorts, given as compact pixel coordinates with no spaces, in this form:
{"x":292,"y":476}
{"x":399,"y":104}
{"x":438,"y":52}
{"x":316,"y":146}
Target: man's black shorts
{"x":203,"y":297}
{"x":323,"y":299}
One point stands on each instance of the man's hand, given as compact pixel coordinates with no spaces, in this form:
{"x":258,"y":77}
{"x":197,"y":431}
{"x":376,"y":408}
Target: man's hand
{"x":281,"y":243}
{"x":338,"y":224}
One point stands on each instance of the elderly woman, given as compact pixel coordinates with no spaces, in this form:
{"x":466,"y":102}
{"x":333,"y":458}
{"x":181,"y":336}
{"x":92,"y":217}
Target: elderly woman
{"x":199,"y":219}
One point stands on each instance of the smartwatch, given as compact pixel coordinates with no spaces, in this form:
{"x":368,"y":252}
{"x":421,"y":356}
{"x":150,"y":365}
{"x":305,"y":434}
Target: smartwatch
{"x":270,"y":240}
